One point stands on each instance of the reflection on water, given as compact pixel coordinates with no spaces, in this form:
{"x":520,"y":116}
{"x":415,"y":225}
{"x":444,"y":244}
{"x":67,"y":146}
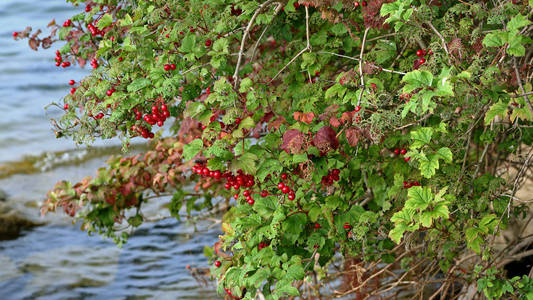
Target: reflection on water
{"x":58,"y":261}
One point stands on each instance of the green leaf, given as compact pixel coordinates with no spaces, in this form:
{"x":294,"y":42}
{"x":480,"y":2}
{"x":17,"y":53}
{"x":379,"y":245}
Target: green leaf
{"x":419,"y":198}
{"x":247,"y":163}
{"x":295,"y":272}
{"x":221,"y":46}
{"x":516,"y":47}
{"x":429,"y":165}
{"x":138,"y":84}
{"x":187,"y":44}
{"x":416,"y":79}
{"x":495,"y":39}
{"x":268,"y":166}
{"x":446,"y":154}
{"x":517,"y":22}
{"x":104,"y":21}
{"x":190,"y":150}
{"x":293,"y":226}
{"x":497,"y":109}
{"x":421,"y":137}
{"x":298,"y":158}
{"x":335,"y":90}
{"x":194,"y":109}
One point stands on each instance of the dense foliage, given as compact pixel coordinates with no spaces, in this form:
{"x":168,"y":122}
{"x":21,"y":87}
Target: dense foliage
{"x":366,"y":148}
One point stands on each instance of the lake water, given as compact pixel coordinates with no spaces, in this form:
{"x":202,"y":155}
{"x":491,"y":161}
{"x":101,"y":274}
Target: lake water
{"x":57,"y":260}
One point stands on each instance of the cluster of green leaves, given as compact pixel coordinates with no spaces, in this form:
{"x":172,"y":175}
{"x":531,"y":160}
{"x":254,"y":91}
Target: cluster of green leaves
{"x":353,"y":120}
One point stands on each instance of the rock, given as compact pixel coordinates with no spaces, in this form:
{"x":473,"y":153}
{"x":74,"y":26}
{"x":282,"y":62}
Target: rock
{"x":3,"y":196}
{"x":13,"y":222}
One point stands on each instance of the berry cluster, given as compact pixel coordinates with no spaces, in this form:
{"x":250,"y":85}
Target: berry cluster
{"x":168,"y":67}
{"x":94,"y":30}
{"x":67,"y":23}
{"x":407,"y":185}
{"x":159,"y":115}
{"x":356,"y":4}
{"x":332,"y":176}
{"x":398,"y":151}
{"x":262,"y":245}
{"x":59,"y":60}
{"x":94,"y":63}
{"x":421,"y":60}
{"x":143,"y":131}
{"x":285,"y":189}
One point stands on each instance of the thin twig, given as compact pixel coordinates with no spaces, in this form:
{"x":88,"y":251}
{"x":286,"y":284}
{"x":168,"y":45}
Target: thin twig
{"x":414,"y":123}
{"x":361,"y":66}
{"x":382,"y":36}
{"x":307,"y":47}
{"x":522,"y":87}
{"x":442,"y":39}
{"x":244,"y":36}
{"x":277,"y":10}
{"x":521,"y":95}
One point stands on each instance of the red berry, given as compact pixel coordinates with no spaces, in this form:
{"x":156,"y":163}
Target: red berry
{"x":403,"y":151}
{"x":406,"y":159}
{"x":72,"y":91}
{"x":284,"y":176}
{"x":285,"y":189}
{"x":356,"y":4}
{"x":164,"y":107}
{"x":236,"y":196}
{"x":246,"y":193}
{"x":88,"y":8}
{"x":317,"y":225}
{"x":166,"y":67}
{"x":357,"y":108}
{"x":397,"y":151}
{"x":208,"y":43}
{"x":419,"y":53}
{"x":250,"y":201}
{"x":347,"y":226}
{"x":15,"y":34}
{"x":217,"y":174}
{"x":205,"y":171}
{"x":335,"y":171}
{"x":363,"y":3}
{"x":422,"y":60}
{"x":65,"y":107}
{"x":172,"y":66}
{"x":109,"y":92}
{"x":99,"y":116}
{"x":71,"y":82}
{"x":264,"y":193}
{"x":238,"y":121}
{"x":291,"y":197}
{"x":281,"y":185}
{"x":217,"y":263}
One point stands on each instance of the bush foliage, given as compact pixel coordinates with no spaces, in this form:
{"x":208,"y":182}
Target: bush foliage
{"x":368,"y":148}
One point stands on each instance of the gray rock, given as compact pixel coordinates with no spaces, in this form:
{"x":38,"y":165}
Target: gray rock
{"x":3,"y":196}
{"x":13,"y":222}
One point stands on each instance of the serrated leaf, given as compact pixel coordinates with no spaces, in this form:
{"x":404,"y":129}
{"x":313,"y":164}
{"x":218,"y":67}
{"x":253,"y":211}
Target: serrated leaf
{"x":421,"y":137}
{"x":190,"y":150}
{"x":104,"y":21}
{"x":446,"y":154}
{"x":194,"y":109}
{"x":497,"y":109}
{"x":517,"y":22}
{"x":419,"y":198}
{"x":417,"y":79}
{"x":429,"y":165}
{"x":138,"y":84}
{"x":494,"y":39}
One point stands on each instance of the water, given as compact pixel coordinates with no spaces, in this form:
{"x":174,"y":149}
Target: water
{"x":57,"y":260}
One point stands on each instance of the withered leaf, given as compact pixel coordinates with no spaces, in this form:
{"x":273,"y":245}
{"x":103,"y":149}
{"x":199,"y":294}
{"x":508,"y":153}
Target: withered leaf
{"x":326,"y":139}
{"x":293,"y":141}
{"x":46,"y":42}
{"x":353,"y":135}
{"x":33,"y":43}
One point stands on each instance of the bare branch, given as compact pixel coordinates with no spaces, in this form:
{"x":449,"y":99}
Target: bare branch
{"x":244,"y":37}
{"x":361,"y":66}
{"x":522,"y":87}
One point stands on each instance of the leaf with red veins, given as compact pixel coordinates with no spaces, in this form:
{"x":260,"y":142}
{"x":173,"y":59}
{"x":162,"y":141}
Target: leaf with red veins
{"x":297,"y":115}
{"x":293,"y":141}
{"x":334,"y":122}
{"x":347,"y":116}
{"x":307,"y":118}
{"x":353,"y":135}
{"x":326,"y":139}
{"x":328,"y":112}
{"x":276,"y":123}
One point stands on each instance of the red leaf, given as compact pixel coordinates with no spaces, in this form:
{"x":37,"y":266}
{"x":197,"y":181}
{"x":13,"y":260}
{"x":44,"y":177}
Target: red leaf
{"x":334,"y":122}
{"x":326,"y":139}
{"x":307,"y":118}
{"x":353,"y":135}
{"x":293,"y":141}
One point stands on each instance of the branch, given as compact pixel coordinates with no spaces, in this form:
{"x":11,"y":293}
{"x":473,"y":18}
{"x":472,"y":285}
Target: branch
{"x":361,"y":66}
{"x":277,"y":10}
{"x":307,"y":47}
{"x":442,"y":39}
{"x":244,"y":36}
{"x":522,"y":87}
